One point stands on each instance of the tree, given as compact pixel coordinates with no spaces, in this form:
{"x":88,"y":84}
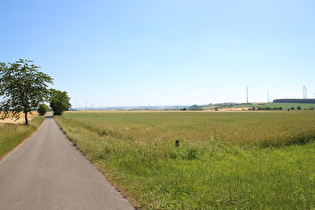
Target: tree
{"x":22,"y":88}
{"x":42,"y":109}
{"x":59,"y":101}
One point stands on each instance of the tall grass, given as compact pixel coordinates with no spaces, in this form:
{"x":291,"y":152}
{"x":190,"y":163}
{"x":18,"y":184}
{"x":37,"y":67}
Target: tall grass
{"x":13,"y":134}
{"x":245,"y":128}
{"x":224,"y":160}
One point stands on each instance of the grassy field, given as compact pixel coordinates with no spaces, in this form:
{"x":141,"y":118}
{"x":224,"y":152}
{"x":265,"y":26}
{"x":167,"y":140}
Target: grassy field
{"x":231,"y":160}
{"x":286,"y":106}
{"x":12,"y":133}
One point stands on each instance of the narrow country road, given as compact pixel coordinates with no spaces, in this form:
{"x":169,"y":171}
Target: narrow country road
{"x":48,"y":172}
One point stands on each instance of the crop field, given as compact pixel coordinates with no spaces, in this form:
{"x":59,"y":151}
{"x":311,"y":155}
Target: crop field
{"x":21,"y":120}
{"x":13,"y":133}
{"x":224,"y":160}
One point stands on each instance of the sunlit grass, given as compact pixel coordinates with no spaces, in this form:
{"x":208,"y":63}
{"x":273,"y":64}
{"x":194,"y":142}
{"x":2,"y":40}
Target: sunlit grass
{"x":245,"y":128}
{"x":12,"y":134}
{"x":224,"y":160}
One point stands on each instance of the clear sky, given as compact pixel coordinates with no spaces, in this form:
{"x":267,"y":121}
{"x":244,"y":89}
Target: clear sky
{"x":165,"y":52}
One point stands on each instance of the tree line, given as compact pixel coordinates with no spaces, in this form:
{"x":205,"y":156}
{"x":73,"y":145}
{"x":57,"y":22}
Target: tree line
{"x":295,"y":100}
{"x":23,"y":88}
{"x":265,"y":108}
{"x":279,"y":108}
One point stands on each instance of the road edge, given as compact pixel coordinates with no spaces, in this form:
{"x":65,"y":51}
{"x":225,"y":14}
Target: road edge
{"x":6,"y":155}
{"x":111,"y":183}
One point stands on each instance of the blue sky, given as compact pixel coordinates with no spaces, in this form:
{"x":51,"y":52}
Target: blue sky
{"x":165,"y":52}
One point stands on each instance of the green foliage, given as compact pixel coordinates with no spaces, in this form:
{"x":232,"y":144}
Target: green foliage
{"x":22,"y":88}
{"x":292,"y":100}
{"x":223,"y":161}
{"x":12,"y":134}
{"x":286,"y":106}
{"x":59,"y":101}
{"x":42,"y":109}
{"x":269,"y":108}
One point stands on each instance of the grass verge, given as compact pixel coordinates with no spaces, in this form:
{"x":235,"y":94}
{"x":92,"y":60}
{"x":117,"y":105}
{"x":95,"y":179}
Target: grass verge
{"x":11,"y":135}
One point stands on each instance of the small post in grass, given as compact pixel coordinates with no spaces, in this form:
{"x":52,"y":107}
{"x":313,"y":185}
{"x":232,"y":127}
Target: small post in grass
{"x":177,"y":143}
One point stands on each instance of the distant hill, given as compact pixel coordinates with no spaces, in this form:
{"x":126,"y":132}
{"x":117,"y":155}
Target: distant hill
{"x":293,"y":100}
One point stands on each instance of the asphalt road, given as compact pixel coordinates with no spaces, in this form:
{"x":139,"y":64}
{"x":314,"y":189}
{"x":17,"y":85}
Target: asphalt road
{"x":48,"y":172}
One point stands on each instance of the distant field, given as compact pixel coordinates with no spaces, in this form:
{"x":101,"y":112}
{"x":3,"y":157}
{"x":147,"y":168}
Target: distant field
{"x":289,"y":105}
{"x":284,"y":106}
{"x":224,"y":160}
{"x":13,"y":133}
{"x":19,"y":121}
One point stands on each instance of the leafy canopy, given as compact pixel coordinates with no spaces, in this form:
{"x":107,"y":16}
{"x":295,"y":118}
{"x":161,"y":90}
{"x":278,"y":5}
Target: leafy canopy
{"x":59,"y":101}
{"x":42,"y":109}
{"x":22,"y":88}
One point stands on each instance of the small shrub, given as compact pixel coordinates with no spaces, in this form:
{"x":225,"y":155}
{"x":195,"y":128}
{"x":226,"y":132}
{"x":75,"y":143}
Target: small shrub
{"x":42,"y":109}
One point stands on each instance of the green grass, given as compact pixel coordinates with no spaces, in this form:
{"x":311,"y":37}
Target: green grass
{"x":247,"y":160}
{"x":12,"y":135}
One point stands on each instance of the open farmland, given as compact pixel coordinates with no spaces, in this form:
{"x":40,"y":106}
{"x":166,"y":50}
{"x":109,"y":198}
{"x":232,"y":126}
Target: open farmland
{"x":224,"y":160}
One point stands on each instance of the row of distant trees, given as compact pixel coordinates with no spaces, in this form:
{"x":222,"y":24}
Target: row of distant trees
{"x":277,"y":108}
{"x":23,"y":87}
{"x":295,"y":100}
{"x":265,"y":108}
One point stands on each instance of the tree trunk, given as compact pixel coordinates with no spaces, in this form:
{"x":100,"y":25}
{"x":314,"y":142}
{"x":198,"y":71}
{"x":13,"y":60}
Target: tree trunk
{"x":26,"y":120}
